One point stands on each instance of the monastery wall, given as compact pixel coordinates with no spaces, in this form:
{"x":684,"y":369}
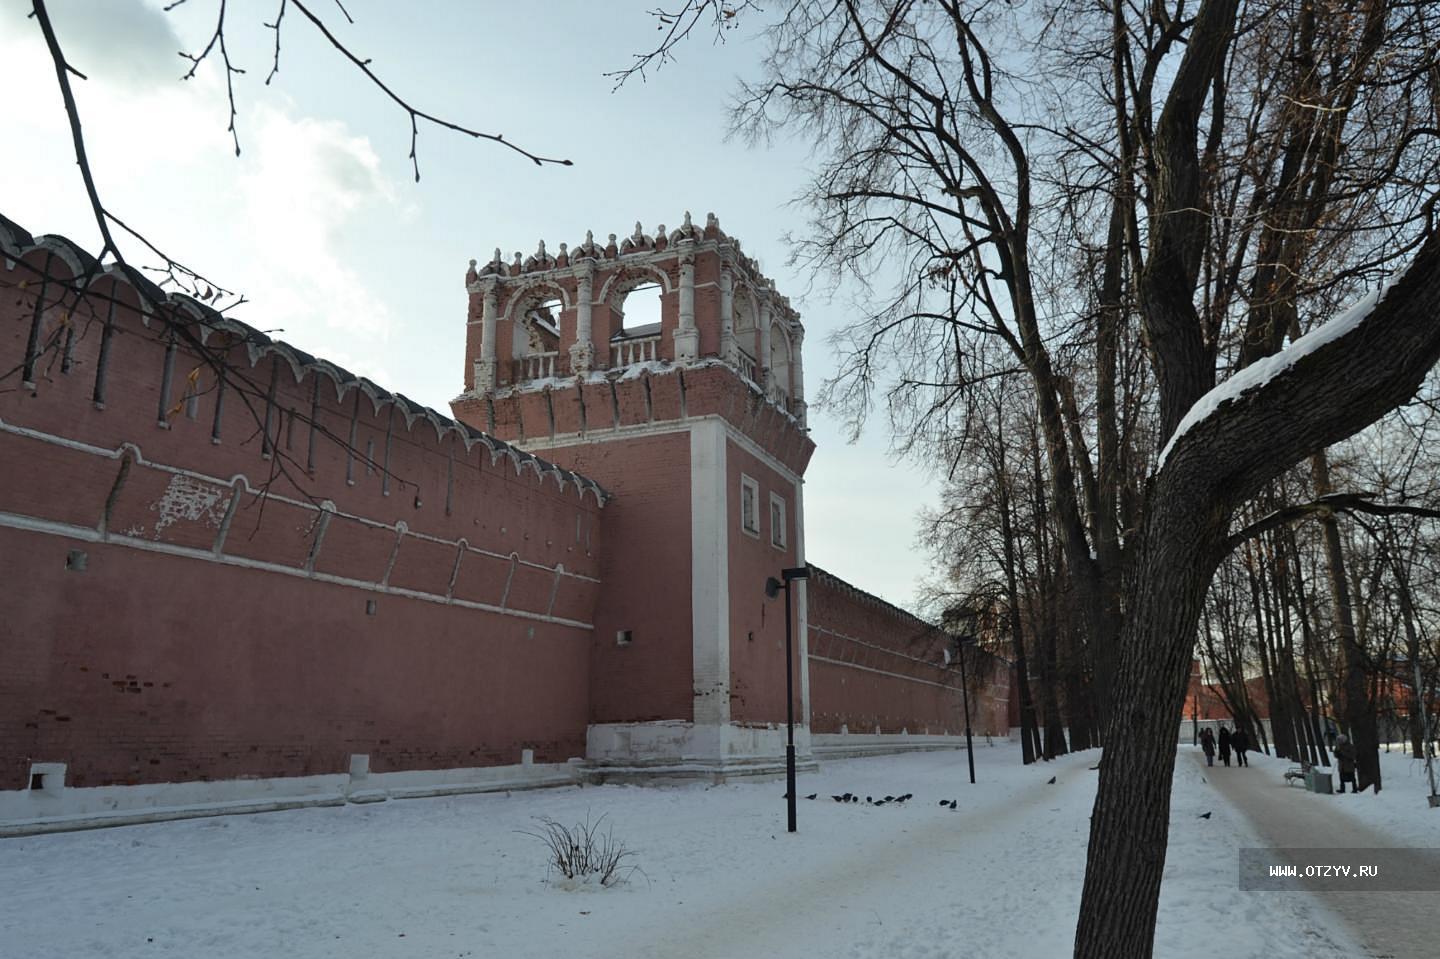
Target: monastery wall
{"x":263,"y":576}
{"x":877,"y":670}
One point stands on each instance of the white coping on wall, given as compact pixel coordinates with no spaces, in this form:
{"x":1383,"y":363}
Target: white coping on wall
{"x":24,"y":812}
{"x":847,"y":745}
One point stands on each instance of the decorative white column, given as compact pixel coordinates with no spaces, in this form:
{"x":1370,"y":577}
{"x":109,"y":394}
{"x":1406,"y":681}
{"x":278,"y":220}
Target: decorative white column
{"x":485,"y":369}
{"x":687,"y":338}
{"x":582,"y":351}
{"x":763,"y":360}
{"x":729,"y":351}
{"x":797,"y":374}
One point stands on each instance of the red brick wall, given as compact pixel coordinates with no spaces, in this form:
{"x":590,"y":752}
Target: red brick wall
{"x":757,"y":624}
{"x":215,"y":632}
{"x":646,"y":572}
{"x":873,"y":666}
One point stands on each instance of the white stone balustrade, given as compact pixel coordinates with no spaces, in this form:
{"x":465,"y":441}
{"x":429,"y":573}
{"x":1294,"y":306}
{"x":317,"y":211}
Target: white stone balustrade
{"x":641,"y":349}
{"x":539,"y":366}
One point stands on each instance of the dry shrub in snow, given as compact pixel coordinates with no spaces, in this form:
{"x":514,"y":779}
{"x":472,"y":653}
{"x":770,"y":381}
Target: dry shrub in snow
{"x":585,"y":852}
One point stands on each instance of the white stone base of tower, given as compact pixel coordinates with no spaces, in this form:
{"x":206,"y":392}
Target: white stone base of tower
{"x":675,"y":749}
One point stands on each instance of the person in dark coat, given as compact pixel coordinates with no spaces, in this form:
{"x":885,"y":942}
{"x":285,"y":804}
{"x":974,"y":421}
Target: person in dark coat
{"x":1224,"y":745}
{"x":1240,"y":742}
{"x":1345,"y":757}
{"x":1207,"y":743}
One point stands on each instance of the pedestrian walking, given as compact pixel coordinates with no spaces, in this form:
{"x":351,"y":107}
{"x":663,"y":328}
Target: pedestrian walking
{"x":1345,"y":756}
{"x":1240,"y":742}
{"x":1207,"y":743}
{"x":1224,"y":745}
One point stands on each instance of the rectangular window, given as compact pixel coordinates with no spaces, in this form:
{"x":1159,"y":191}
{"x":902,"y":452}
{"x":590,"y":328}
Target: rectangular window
{"x":777,"y":521}
{"x":749,"y":505}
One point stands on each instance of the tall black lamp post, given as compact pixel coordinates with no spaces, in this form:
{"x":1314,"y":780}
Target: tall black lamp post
{"x":960,"y":644}
{"x":772,"y":587}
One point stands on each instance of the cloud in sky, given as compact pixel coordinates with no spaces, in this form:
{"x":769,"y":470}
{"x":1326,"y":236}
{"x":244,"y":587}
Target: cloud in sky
{"x":274,"y":223}
{"x":123,"y":42}
{"x":306,"y":183}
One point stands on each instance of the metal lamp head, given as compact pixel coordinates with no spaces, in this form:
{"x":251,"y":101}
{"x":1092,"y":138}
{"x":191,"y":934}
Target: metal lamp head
{"x":772,"y":587}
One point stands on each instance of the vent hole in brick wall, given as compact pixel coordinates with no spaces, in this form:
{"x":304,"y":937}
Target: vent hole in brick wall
{"x":623,"y":637}
{"x":369,"y":607}
{"x":76,"y":560}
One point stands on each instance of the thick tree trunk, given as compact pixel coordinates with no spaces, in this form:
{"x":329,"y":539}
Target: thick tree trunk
{"x":1184,"y":539}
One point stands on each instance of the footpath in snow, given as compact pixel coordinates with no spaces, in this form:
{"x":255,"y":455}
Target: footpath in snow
{"x":999,"y":876}
{"x":1398,"y":924}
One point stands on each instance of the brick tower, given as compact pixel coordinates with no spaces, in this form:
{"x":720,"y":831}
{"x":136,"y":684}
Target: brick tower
{"x":696,"y":426}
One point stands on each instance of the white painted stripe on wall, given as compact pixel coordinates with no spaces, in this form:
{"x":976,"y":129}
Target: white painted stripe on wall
{"x":886,"y":672}
{"x":709,"y":572}
{"x":802,"y":603}
{"x":878,"y":648}
{"x":115,"y":454}
{"x":86,"y":534}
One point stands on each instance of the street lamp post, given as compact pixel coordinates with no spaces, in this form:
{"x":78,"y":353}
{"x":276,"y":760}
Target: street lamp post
{"x":960,"y":645}
{"x":772,"y":587}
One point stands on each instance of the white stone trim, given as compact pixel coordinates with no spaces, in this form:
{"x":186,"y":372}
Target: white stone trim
{"x":675,"y":743}
{"x":748,"y":482}
{"x":802,"y":603}
{"x":829,"y":746}
{"x":23,"y":812}
{"x":89,"y":535}
{"x":399,"y":527}
{"x":709,"y":573}
{"x":659,"y":429}
{"x":885,"y":672}
{"x":777,"y":500}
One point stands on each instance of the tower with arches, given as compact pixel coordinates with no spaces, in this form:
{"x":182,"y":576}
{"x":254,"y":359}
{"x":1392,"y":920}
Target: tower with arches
{"x":695,"y":424}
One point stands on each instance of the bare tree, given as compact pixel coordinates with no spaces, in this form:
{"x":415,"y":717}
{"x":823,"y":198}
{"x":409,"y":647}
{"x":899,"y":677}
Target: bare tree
{"x":1228,"y":175}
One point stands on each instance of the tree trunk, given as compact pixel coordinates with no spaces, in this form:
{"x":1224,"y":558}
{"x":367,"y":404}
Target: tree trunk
{"x":1184,"y":539}
{"x":1359,"y":707}
{"x":1029,"y":736}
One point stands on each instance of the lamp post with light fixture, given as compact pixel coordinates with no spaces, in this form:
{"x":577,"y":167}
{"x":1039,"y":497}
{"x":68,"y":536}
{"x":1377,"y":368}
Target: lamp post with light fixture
{"x":772,"y":588}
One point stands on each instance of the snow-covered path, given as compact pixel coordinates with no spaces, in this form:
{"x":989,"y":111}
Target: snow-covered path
{"x":1402,"y":925}
{"x":454,"y":877}
{"x":845,"y":892}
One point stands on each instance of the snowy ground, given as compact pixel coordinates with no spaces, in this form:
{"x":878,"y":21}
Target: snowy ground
{"x":455,"y":877}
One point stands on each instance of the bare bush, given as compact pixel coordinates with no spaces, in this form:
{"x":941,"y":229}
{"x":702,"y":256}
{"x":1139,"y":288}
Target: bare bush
{"x":585,"y":851}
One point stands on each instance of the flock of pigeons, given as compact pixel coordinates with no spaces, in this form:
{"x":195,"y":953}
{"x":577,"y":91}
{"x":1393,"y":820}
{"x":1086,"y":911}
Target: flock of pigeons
{"x":872,"y":801}
{"x":898,"y":800}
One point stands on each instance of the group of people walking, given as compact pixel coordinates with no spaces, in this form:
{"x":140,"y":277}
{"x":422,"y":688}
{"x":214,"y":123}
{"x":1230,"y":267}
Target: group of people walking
{"x":1240,"y":743}
{"x":1237,"y":741}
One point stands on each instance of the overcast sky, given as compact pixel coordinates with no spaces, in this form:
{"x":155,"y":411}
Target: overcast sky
{"x":320,"y":223}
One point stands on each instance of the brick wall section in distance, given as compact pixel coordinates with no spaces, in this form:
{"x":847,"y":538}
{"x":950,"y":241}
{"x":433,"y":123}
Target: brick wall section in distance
{"x":875,"y":667}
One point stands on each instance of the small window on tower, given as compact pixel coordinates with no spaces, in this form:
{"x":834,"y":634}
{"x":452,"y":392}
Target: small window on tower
{"x":749,"y":505}
{"x":777,"y":521}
